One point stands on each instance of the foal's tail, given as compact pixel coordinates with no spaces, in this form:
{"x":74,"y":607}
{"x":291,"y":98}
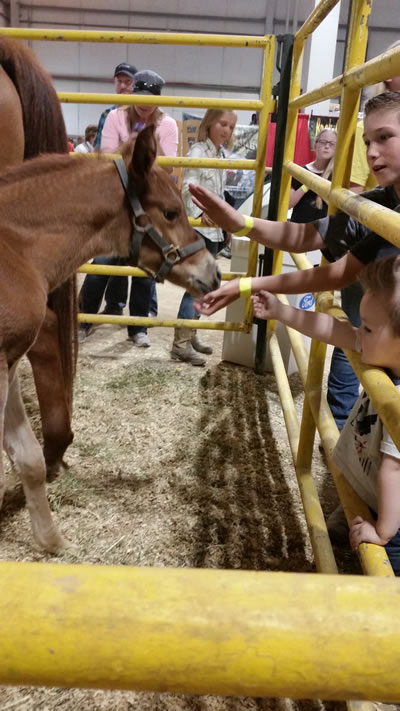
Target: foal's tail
{"x":45,"y":132}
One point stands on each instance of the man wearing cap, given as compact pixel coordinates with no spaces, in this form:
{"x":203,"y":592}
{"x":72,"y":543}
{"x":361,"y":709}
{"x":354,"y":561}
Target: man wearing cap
{"x":124,"y":80}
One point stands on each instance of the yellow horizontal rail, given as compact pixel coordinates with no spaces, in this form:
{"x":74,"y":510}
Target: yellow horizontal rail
{"x":320,"y":12}
{"x":218,"y":163}
{"x":167,"y":323}
{"x":380,"y":219}
{"x":180,"y":161}
{"x":75,"y":97}
{"x":315,"y":182}
{"x":177,"y":630}
{"x":177,"y":38}
{"x":382,"y":67}
{"x":136,"y":272}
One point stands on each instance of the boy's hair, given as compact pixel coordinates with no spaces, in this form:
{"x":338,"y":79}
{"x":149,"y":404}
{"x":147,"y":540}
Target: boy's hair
{"x":382,"y":277}
{"x":388,"y":101}
{"x":212,"y":116}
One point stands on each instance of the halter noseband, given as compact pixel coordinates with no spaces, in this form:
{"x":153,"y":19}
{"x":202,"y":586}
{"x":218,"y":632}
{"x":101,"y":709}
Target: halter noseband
{"x":171,"y":255}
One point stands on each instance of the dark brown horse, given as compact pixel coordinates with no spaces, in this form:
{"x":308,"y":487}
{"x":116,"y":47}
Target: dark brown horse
{"x":56,"y":212}
{"x":31,"y":123}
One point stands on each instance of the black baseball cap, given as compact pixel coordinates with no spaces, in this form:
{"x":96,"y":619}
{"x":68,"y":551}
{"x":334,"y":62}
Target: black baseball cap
{"x":125,"y":68}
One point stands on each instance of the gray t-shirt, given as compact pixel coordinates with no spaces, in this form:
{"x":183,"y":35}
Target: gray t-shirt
{"x":359,"y":449}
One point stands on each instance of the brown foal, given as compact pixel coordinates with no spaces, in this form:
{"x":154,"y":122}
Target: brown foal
{"x":56,"y":212}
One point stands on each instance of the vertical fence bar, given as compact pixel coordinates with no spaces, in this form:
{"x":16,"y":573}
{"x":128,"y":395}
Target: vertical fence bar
{"x":284,"y":88}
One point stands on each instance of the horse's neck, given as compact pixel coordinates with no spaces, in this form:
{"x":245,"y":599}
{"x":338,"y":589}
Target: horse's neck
{"x":72,"y":217}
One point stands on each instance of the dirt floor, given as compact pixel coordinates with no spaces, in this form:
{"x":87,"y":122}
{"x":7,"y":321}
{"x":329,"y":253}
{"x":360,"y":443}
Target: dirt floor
{"x":171,"y":465}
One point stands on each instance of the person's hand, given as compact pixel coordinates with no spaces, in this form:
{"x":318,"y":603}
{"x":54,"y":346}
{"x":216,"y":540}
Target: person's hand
{"x":265,"y":305}
{"x":217,"y":209}
{"x":362,"y":531}
{"x":216,"y":300}
{"x":207,"y":220}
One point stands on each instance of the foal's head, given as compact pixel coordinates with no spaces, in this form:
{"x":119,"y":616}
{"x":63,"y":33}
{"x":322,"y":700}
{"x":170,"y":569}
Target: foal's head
{"x":162,"y":203}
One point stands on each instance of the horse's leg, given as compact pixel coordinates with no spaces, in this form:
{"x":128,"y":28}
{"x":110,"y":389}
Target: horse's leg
{"x":3,"y":403}
{"x":26,"y":454}
{"x":44,"y":357}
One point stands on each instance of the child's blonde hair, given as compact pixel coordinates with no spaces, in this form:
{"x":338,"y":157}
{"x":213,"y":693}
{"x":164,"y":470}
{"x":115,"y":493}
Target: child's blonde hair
{"x":382,"y":278}
{"x":210,"y":117}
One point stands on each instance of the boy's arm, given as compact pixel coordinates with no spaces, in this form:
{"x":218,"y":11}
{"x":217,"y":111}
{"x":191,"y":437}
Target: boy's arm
{"x":288,"y":236}
{"x":388,"y":521}
{"x":326,"y":278}
{"x":317,"y":325}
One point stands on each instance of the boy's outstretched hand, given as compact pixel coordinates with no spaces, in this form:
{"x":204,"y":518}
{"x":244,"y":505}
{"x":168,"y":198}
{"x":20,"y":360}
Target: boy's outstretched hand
{"x":265,"y":305}
{"x":219,"y":298}
{"x":218,"y":210}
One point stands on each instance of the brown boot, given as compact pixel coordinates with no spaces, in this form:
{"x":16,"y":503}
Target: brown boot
{"x":199,"y":346}
{"x":182,"y":348}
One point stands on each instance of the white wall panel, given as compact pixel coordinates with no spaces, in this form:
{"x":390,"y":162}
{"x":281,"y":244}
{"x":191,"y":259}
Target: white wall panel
{"x":59,"y":57}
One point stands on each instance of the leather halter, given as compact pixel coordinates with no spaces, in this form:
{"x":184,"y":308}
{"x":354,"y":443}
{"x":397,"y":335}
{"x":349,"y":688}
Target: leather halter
{"x":170,"y":253}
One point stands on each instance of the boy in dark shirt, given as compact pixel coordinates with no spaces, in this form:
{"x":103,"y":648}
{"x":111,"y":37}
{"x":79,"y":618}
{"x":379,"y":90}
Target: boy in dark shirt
{"x":334,"y":236}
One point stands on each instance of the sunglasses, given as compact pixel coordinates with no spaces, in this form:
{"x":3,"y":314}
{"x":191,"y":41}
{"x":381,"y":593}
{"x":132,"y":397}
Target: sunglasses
{"x":145,"y":86}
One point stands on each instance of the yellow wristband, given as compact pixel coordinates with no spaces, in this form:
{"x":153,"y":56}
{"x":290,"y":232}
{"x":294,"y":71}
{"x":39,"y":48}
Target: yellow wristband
{"x":304,"y":188}
{"x":248,"y":225}
{"x":245,"y":287}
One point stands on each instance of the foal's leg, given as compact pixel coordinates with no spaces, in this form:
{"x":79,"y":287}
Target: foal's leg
{"x":44,"y":357}
{"x":26,"y":454}
{"x":3,"y":403}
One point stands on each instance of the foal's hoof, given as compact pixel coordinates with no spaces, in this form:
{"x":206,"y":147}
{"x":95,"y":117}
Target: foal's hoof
{"x":54,"y":469}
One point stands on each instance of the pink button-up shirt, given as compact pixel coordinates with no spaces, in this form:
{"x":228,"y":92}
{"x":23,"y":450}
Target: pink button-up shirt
{"x":115,"y":131}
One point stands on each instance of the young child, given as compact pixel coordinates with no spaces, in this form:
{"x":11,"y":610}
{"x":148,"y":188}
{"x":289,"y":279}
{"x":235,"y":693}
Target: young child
{"x":334,"y":236}
{"x":365,"y":452}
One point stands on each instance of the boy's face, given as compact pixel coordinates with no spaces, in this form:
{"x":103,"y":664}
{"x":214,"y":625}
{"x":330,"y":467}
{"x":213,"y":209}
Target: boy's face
{"x":379,"y":346}
{"x":382,"y":139}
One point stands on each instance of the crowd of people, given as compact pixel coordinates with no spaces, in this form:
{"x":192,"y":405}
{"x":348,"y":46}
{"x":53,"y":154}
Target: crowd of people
{"x":361,"y":263}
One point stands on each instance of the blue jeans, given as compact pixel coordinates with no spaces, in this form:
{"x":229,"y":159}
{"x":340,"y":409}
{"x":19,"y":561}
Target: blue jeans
{"x":95,"y":286}
{"x":393,"y":551}
{"x":343,"y":384}
{"x":186,"y":308}
{"x":139,"y":301}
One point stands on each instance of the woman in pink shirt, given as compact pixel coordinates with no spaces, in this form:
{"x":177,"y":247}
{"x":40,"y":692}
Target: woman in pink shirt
{"x":120,"y":124}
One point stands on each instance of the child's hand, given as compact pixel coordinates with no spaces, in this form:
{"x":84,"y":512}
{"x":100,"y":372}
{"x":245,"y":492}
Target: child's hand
{"x":217,"y":210}
{"x":216,"y":300}
{"x":266,"y":305}
{"x":207,"y":220}
{"x":362,"y":531}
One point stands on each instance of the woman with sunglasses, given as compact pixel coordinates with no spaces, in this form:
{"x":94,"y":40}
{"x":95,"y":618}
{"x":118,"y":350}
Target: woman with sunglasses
{"x":307,"y":205}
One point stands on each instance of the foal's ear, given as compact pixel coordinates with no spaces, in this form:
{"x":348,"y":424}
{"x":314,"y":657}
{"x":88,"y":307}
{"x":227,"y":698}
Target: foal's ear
{"x":144,"y":153}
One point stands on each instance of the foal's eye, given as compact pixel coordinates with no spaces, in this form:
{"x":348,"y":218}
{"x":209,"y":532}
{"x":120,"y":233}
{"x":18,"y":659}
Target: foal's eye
{"x":170,"y":215}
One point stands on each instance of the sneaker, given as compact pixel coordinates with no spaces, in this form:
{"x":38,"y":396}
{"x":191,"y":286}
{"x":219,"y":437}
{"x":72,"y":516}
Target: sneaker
{"x":140,"y":339}
{"x":84,"y":330}
{"x":226,"y":252}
